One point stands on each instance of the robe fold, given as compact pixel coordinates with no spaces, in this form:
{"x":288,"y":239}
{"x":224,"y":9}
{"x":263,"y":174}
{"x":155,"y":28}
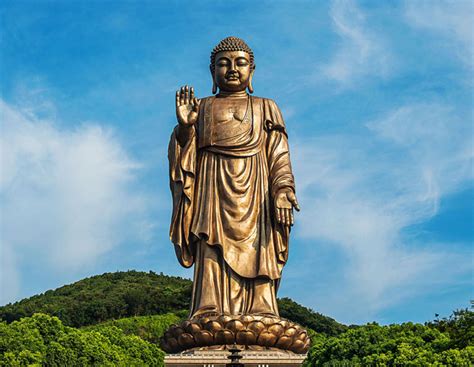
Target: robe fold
{"x":223,"y":181}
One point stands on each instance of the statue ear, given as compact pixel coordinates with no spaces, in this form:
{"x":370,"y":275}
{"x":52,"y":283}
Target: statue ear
{"x":250,"y":87}
{"x":214,"y":85}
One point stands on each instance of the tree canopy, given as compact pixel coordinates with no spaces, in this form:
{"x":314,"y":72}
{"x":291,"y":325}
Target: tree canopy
{"x":112,"y":296}
{"x":42,"y":340}
{"x":106,"y":297}
{"x":408,"y":344}
{"x":313,"y":320}
{"x":117,"y":319}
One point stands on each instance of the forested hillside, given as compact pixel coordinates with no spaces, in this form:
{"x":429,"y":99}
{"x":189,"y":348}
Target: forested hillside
{"x":446,"y":342}
{"x":118,"y":319}
{"x":313,"y":320}
{"x":118,"y":295}
{"x":106,"y":297}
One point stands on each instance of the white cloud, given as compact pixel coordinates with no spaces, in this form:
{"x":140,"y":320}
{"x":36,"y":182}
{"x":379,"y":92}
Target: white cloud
{"x":67,"y":196}
{"x":360,"y":192}
{"x":361,"y":53}
{"x":452,"y":20}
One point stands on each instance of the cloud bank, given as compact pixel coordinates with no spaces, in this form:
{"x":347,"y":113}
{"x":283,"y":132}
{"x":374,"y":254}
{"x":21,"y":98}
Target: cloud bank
{"x":361,"y":51}
{"x":68,"y":197}
{"x":360,"y":193}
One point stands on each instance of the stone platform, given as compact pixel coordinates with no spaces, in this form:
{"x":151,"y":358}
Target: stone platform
{"x":217,"y":358}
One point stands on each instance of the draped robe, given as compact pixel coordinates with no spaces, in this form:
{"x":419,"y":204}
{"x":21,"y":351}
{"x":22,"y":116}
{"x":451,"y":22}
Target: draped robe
{"x":223,"y":181}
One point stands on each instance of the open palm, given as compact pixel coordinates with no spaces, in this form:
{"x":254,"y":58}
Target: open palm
{"x":187,"y":106}
{"x":285,"y":202}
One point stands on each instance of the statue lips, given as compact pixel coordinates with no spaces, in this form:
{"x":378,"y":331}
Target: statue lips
{"x":233,"y":81}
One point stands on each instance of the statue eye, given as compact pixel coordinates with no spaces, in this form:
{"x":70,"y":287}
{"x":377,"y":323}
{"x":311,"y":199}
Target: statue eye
{"x":222,"y":63}
{"x":242,"y":62}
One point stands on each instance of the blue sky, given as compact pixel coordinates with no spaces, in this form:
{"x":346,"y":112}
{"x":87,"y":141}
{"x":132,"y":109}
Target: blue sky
{"x":377,"y":98}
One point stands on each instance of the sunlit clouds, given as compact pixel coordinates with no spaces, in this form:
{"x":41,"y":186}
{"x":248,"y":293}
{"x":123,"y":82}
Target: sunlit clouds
{"x":361,"y":50}
{"x":362,"y":191}
{"x":67,"y":196}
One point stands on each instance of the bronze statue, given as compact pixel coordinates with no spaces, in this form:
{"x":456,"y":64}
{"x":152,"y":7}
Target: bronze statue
{"x":233,"y":199}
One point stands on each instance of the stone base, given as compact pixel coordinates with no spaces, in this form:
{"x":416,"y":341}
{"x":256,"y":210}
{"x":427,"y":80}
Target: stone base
{"x":252,"y":332}
{"x":215,"y":358}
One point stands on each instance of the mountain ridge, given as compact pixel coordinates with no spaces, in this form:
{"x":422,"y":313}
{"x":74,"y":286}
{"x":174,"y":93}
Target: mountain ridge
{"x":116,"y":295}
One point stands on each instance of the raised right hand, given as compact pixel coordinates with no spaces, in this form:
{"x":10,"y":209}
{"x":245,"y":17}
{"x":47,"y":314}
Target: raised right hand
{"x":187,"y":106}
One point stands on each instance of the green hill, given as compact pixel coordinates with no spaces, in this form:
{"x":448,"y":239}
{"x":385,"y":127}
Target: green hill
{"x":106,"y":297}
{"x":112,"y":296}
{"x":120,"y":317}
{"x":289,"y":309}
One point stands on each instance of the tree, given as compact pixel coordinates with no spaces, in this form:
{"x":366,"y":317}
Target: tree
{"x":44,"y":340}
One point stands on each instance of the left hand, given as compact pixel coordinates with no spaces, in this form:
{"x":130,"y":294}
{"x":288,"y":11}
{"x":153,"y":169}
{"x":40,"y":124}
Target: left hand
{"x":285,"y":201}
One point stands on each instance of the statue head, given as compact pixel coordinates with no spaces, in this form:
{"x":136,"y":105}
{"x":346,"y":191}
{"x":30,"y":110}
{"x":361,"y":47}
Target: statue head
{"x":232,"y":66}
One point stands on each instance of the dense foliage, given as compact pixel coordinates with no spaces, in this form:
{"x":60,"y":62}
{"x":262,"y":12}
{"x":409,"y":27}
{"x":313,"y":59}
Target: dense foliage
{"x":398,"y":345}
{"x":149,"y":328}
{"x":310,"y":319}
{"x":106,"y":297}
{"x":112,"y":296}
{"x":107,"y":307}
{"x":459,"y":326}
{"x":42,"y":340}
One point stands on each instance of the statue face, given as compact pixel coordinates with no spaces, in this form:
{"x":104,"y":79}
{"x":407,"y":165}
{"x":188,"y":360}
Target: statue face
{"x":232,"y":71}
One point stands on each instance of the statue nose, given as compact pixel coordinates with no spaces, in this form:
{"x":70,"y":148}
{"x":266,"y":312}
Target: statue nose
{"x":232,"y":73}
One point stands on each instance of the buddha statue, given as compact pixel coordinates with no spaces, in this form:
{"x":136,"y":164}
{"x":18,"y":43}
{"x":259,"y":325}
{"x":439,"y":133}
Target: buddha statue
{"x":233,"y":199}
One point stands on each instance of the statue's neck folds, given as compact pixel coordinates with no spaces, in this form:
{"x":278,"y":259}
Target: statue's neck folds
{"x":224,"y":94}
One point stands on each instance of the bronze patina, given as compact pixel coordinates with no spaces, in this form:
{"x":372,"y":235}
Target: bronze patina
{"x":233,"y":199}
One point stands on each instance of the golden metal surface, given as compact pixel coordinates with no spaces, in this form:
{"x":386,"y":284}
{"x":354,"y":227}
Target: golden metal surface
{"x":254,"y":332}
{"x":233,"y":190}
